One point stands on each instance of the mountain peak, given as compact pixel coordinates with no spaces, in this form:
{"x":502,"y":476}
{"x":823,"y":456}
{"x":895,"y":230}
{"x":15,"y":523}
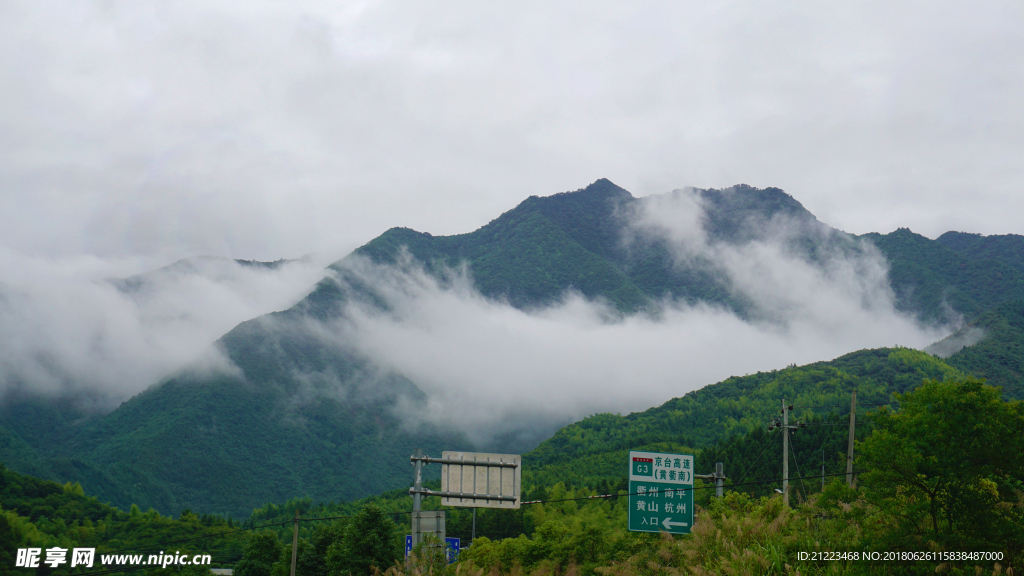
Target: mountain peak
{"x":746,"y":198}
{"x":606,"y":186}
{"x":601,"y":189}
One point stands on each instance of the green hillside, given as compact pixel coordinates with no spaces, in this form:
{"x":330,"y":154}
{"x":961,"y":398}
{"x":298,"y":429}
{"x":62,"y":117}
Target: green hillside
{"x":1006,"y":248}
{"x":922,"y":477}
{"x":584,"y":459}
{"x":307,"y":415}
{"x":533,"y":253}
{"x":937,"y":283}
{"x":911,"y":461}
{"x":999,"y":356}
{"x":227,"y":446}
{"x":722,"y":422}
{"x":593,"y":450}
{"x":45,"y":514}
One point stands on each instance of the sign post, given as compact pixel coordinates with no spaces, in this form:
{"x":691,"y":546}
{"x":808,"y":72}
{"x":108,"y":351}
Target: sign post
{"x":468,"y":480}
{"x":428,"y":522}
{"x":660,"y":492}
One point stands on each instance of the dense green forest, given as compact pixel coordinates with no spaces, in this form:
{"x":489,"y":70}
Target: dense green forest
{"x":934,"y":279}
{"x":999,"y":355}
{"x":926,"y":484}
{"x":45,"y":514}
{"x":194,"y":440}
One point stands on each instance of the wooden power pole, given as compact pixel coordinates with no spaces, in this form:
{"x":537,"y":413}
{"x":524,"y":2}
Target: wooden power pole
{"x":295,"y":542}
{"x":849,"y":448}
{"x":786,"y":427}
{"x":785,"y":455}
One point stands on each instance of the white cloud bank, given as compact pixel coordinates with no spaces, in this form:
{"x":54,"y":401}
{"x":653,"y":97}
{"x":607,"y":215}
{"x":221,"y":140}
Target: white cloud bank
{"x":490,"y":369}
{"x":66,"y":329}
{"x":487,"y":368}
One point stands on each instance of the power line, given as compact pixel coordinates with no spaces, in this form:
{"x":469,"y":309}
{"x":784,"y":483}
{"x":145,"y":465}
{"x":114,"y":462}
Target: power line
{"x":797,"y":462}
{"x":161,"y":545}
{"x":751,"y":467}
{"x":795,"y":407}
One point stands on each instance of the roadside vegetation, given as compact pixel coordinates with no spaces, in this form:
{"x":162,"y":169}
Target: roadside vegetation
{"x":943,"y":473}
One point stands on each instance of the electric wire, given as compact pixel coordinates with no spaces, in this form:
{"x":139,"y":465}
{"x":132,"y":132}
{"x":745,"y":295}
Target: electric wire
{"x":797,"y":462}
{"x":751,"y":467}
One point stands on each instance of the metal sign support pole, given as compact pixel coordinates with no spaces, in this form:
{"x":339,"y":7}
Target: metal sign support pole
{"x":468,"y":480}
{"x":417,"y":497}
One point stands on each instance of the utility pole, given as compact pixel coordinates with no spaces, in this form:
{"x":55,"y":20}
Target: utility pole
{"x":718,"y":476}
{"x":786,"y":427}
{"x":295,"y":541}
{"x":822,"y":470}
{"x":719,"y":479}
{"x":849,"y":448}
{"x":785,"y":454}
{"x":416,"y":496}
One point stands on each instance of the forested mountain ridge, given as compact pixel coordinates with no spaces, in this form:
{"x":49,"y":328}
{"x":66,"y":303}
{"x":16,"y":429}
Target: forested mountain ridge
{"x":935,"y":281}
{"x":1006,"y":248}
{"x":586,"y":241}
{"x":306,"y":413}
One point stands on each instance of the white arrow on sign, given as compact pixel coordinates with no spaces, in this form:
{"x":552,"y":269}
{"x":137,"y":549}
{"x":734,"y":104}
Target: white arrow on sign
{"x":668,"y":525}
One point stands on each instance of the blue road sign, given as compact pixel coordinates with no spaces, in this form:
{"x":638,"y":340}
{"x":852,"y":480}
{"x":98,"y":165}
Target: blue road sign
{"x":451,"y":549}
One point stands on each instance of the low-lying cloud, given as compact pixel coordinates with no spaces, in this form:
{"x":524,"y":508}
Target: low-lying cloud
{"x":492,"y":369}
{"x":70,"y":327}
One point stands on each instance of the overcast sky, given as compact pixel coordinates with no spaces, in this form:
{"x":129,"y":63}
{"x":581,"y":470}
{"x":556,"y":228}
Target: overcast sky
{"x":151,"y":131}
{"x":134,"y":134}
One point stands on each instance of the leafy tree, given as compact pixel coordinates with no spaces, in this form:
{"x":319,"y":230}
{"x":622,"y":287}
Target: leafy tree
{"x":8,"y":541}
{"x":948,"y":468}
{"x":312,"y":555}
{"x":369,"y":543}
{"x":261,"y":551}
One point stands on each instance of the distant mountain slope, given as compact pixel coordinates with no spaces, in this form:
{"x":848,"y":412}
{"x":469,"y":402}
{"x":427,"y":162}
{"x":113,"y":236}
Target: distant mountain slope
{"x":587,"y":241}
{"x":530,"y":255}
{"x":999,"y":354}
{"x":577,"y":240}
{"x":937,"y":283}
{"x":307,"y":414}
{"x":1006,"y":248}
{"x":209,"y":267}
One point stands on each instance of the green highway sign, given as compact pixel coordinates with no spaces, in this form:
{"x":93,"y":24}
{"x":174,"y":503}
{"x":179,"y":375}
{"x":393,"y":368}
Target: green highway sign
{"x":661,"y":492}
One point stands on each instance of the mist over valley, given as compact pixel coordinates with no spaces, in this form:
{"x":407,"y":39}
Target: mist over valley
{"x":566,"y":306}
